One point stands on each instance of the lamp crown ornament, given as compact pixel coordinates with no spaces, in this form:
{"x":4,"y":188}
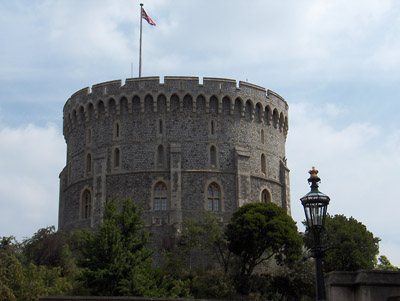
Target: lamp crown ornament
{"x":313,"y":172}
{"x":314,"y":179}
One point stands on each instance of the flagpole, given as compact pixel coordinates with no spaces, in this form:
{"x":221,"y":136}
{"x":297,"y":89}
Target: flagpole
{"x":140,"y":47}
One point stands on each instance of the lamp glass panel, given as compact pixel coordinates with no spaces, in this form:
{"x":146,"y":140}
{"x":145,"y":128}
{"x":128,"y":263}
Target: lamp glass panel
{"x":315,"y":214}
{"x":308,"y":216}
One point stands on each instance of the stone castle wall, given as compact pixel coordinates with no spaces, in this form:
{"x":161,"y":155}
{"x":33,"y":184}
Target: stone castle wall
{"x":183,"y":134}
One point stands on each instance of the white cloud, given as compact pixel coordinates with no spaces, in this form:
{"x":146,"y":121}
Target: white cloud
{"x":72,"y":35}
{"x":88,"y":32}
{"x":31,"y":158}
{"x":312,"y":39}
{"x":325,"y":41}
{"x":358,"y":165}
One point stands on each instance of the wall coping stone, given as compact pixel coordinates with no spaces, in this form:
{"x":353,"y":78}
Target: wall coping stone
{"x":363,"y":277}
{"x":84,"y":298}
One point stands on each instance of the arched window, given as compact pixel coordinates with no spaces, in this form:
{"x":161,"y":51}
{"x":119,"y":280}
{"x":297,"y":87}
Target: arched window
{"x":160,"y":197}
{"x":213,"y":156}
{"x":89,"y":136}
{"x":265,"y":196}
{"x":249,"y":110}
{"x":213,"y":197}
{"x":213,"y":105}
{"x":117,"y":130}
{"x":160,"y":127}
{"x":262,"y":136}
{"x":160,"y":155}
{"x":212,"y":128}
{"x":88,"y":163}
{"x":275,"y":118}
{"x":263,"y":164}
{"x":117,"y":157}
{"x":86,"y":208}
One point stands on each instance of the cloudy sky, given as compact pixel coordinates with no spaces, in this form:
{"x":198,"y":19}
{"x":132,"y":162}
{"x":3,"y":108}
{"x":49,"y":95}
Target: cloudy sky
{"x":337,"y":63}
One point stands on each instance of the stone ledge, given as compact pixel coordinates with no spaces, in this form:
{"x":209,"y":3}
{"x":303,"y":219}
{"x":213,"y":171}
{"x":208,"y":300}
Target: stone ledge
{"x":75,"y":298}
{"x":363,"y":277}
{"x":366,"y":285}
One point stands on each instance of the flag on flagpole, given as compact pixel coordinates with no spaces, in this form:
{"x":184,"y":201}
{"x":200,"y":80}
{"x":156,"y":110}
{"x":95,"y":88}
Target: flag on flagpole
{"x":147,"y":18}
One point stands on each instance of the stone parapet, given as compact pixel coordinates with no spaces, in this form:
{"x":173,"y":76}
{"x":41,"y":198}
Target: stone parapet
{"x":257,"y":102}
{"x":363,"y":285}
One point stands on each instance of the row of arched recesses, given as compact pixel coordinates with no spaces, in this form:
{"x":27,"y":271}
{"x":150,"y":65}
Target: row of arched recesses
{"x":115,"y":162}
{"x":160,"y":131}
{"x":161,"y":154}
{"x":248,"y":109}
{"x":160,"y":201}
{"x":160,"y":160}
{"x":116,"y":159}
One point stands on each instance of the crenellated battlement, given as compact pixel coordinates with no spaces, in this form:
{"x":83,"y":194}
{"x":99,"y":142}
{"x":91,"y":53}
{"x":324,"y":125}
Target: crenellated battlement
{"x":249,"y":99}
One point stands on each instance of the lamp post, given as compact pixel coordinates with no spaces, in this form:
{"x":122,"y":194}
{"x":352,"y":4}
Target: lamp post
{"x":315,"y":204}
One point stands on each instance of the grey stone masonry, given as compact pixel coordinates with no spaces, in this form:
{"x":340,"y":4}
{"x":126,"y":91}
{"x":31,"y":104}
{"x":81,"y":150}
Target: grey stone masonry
{"x":177,"y":148}
{"x":363,"y":285}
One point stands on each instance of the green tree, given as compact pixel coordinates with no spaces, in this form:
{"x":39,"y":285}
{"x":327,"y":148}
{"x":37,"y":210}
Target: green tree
{"x":215,"y":240}
{"x":190,"y":238}
{"x":385,"y":264}
{"x":204,"y":234}
{"x":212,"y":284}
{"x":115,"y":260}
{"x":296,"y":282}
{"x":350,"y":245}
{"x":9,"y":244}
{"x":19,"y":281}
{"x":258,"y":232}
{"x":116,"y":251}
{"x":50,"y":248}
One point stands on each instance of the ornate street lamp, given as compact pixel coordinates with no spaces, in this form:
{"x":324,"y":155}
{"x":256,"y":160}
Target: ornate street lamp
{"x":315,"y":204}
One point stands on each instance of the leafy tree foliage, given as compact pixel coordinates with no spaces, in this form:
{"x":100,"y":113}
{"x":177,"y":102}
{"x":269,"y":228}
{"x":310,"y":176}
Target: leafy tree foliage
{"x":190,"y":237}
{"x":350,"y":245}
{"x":50,"y":248}
{"x":294,"y":283}
{"x":215,"y":240}
{"x":212,"y":284}
{"x":19,"y":281}
{"x":204,"y":234}
{"x":115,"y":260}
{"x":385,"y":265}
{"x":258,"y":232}
{"x":116,"y":251}
{"x":9,"y":244}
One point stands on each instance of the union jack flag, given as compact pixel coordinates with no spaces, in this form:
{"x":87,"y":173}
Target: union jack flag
{"x":147,"y":18}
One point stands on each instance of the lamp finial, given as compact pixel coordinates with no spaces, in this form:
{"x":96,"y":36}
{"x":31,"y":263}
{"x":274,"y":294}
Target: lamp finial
{"x":314,"y":179}
{"x":313,"y":172}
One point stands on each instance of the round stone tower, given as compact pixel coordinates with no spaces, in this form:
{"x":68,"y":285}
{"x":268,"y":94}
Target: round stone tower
{"x":177,"y":148}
